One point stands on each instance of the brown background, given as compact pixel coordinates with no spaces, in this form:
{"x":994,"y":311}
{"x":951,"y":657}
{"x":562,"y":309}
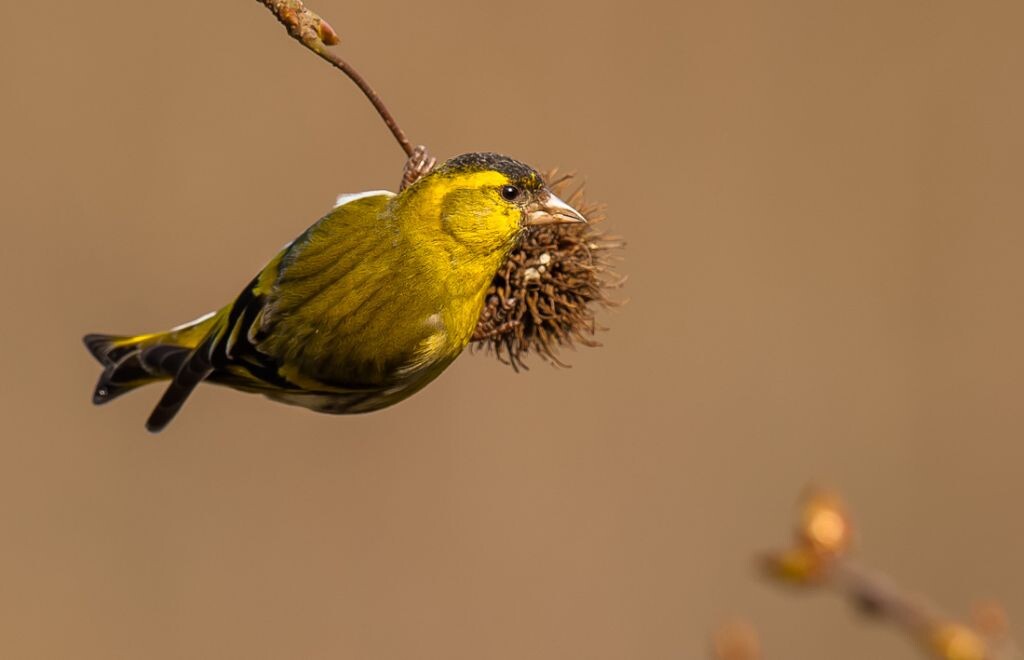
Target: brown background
{"x":824,"y":207}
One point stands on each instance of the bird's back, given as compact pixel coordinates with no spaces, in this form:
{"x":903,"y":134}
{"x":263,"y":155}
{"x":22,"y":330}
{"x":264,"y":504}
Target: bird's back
{"x":354,"y":305}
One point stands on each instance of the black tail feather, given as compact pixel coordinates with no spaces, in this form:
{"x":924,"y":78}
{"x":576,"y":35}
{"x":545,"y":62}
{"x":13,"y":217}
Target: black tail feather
{"x":127,"y":365}
{"x":105,"y":348}
{"x":192,"y":371}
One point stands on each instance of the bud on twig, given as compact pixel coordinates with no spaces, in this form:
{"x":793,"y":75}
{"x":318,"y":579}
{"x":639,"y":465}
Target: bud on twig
{"x":818,"y":557}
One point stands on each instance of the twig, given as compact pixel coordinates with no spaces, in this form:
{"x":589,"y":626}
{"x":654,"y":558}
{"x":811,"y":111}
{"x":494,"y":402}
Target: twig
{"x":316,"y":34}
{"x":877,"y":595}
{"x":818,"y":558}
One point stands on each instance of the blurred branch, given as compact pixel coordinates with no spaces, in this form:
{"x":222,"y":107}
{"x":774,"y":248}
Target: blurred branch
{"x":818,"y":558}
{"x":317,"y":35}
{"x":876,"y":595}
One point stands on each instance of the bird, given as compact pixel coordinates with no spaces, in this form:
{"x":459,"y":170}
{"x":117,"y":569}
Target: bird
{"x":365,"y":308}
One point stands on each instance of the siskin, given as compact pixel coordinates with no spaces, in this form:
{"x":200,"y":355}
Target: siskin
{"x":363,"y":309}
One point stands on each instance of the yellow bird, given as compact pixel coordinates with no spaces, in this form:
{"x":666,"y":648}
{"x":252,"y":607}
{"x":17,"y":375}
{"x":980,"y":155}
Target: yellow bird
{"x":363,"y":309}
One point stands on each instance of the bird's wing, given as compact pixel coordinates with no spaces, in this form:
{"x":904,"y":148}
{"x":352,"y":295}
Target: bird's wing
{"x":275,"y":331}
{"x":243,"y":345}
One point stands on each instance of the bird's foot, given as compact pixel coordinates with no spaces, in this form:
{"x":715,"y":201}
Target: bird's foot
{"x":417,"y":166}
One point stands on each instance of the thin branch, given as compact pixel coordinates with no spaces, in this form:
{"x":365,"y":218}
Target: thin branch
{"x":316,"y":34}
{"x":877,"y":595}
{"x":819,"y":558}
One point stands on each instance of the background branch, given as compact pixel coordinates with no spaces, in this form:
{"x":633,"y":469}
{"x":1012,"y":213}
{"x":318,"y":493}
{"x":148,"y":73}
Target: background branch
{"x":818,"y":558}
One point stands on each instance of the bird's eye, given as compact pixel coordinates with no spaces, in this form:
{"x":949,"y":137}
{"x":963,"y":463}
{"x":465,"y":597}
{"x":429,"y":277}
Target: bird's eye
{"x":510,"y":193}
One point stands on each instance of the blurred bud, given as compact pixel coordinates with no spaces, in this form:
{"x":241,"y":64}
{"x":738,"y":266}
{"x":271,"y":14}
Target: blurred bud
{"x":736,"y":641}
{"x":824,"y":524}
{"x":800,"y":565}
{"x":954,"y":641}
{"x":990,"y":619}
{"x":327,"y":33}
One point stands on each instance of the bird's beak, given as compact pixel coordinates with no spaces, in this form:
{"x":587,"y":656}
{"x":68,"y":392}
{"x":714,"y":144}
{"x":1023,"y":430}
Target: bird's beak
{"x":547,"y":209}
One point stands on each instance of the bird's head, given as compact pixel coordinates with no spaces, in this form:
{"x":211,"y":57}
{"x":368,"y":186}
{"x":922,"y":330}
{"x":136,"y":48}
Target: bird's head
{"x":485,"y":201}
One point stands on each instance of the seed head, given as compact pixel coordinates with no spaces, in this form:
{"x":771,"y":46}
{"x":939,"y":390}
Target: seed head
{"x":546,"y":294}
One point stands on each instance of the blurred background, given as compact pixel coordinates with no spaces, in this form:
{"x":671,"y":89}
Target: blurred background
{"x":823,"y":203}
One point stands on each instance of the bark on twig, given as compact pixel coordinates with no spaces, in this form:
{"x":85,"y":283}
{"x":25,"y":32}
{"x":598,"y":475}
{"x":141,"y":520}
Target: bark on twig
{"x":317,"y":35}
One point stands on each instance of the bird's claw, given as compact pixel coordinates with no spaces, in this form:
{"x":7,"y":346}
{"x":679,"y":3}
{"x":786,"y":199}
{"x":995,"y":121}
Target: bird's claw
{"x":419,"y":164}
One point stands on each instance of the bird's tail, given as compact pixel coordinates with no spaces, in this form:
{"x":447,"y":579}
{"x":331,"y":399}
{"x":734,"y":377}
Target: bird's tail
{"x":130,"y":362}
